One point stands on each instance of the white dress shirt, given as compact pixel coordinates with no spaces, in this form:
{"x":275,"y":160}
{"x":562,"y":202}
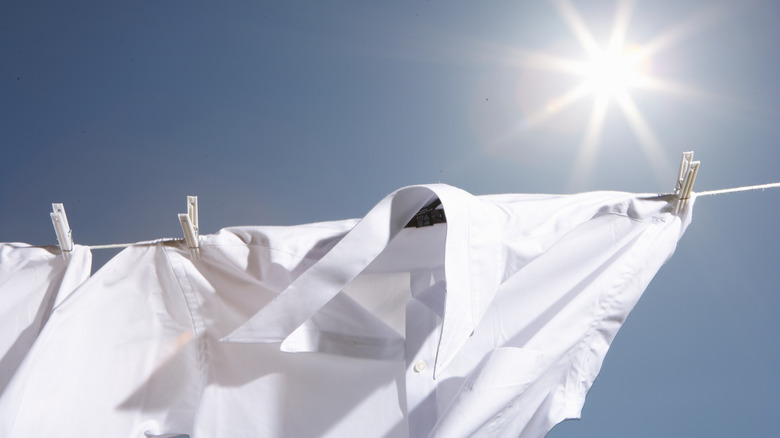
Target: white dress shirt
{"x":32,"y":280}
{"x":493,"y":324}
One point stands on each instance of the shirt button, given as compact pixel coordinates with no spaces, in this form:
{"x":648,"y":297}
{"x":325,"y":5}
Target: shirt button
{"x":419,"y":367}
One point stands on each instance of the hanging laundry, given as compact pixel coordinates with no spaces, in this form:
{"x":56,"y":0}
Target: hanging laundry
{"x":32,"y":281}
{"x":494,"y":322}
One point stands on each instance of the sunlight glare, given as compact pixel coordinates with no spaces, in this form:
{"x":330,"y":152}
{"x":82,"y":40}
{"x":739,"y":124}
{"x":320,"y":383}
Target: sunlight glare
{"x":610,"y":74}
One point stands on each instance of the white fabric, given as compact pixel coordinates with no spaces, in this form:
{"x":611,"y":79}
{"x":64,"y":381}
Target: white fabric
{"x":493,"y":324}
{"x":32,"y":281}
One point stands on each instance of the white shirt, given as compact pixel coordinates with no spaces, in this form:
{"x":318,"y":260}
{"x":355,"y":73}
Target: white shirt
{"x":493,"y":324}
{"x":32,"y":280}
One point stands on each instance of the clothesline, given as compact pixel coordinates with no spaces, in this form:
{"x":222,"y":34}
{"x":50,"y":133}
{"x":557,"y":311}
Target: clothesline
{"x":114,"y":245}
{"x":738,"y":189}
{"x":698,"y":194}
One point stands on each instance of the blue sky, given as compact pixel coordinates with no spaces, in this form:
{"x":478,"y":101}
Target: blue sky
{"x":279,"y":113}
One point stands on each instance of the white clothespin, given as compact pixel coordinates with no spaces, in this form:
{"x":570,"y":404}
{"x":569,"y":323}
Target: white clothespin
{"x":685,"y":179}
{"x":62,"y":228}
{"x":189,"y":225}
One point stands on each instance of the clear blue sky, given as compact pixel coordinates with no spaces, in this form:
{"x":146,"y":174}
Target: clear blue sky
{"x":289,"y":112}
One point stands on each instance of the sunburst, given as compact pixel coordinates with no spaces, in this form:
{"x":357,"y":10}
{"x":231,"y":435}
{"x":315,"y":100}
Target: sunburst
{"x":610,"y":72}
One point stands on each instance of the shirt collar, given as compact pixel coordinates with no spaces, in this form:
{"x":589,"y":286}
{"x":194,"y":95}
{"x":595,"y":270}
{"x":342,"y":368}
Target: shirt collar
{"x":472,"y":271}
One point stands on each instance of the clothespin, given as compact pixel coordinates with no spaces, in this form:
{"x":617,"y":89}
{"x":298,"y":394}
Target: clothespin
{"x":62,"y":228}
{"x":189,"y":225}
{"x":685,"y":179}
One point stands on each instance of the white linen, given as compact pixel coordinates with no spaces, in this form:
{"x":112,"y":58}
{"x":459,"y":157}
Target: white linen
{"x":493,"y":324}
{"x":32,"y":280}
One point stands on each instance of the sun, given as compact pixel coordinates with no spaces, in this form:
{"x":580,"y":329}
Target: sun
{"x":610,"y":71}
{"x":611,"y":74}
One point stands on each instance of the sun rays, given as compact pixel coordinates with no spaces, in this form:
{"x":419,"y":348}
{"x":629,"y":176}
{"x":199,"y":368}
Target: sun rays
{"x":609,"y":73}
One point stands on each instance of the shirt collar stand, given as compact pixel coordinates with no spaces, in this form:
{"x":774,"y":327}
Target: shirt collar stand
{"x":298,"y":316}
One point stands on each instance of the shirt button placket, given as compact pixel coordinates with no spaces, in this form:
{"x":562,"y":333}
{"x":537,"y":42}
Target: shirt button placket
{"x":422,"y":328}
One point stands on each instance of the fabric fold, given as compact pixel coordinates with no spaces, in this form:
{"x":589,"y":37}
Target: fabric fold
{"x":466,"y":254}
{"x":33,"y":281}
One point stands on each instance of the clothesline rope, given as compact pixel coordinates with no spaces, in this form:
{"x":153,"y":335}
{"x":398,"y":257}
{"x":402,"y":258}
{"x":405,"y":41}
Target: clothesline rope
{"x":113,"y":245}
{"x":698,"y":194}
{"x":738,"y":189}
